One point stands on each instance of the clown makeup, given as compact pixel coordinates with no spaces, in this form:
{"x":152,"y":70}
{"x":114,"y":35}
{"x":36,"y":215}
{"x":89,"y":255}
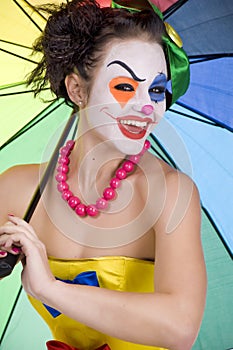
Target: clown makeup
{"x":158,"y":88}
{"x":127,"y":98}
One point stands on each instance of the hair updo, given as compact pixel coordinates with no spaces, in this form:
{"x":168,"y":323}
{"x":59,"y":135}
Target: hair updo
{"x":76,"y":35}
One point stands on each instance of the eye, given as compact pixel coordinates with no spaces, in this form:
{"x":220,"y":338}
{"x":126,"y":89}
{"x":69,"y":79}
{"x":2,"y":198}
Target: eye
{"x":124,"y":87}
{"x":157,"y":90}
{"x":157,"y":93}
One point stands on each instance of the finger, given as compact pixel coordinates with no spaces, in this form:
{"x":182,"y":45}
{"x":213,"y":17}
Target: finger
{"x":10,"y":244}
{"x":19,"y":239}
{"x":11,"y":229}
{"x":20,"y":222}
{"x":3,"y":254}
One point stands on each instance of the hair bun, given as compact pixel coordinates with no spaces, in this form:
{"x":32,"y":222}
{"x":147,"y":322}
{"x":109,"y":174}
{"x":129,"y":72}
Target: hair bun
{"x":85,"y":17}
{"x":70,"y":26}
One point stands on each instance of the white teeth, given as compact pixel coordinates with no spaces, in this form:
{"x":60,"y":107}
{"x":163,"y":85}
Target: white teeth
{"x":134,"y":122}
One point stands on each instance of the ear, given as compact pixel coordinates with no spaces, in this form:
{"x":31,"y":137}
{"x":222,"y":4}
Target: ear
{"x":76,"y":89}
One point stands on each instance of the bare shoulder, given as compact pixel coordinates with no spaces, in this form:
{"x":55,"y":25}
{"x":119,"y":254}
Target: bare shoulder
{"x":179,"y":255}
{"x":17,"y":185}
{"x":176,"y":182}
{"x":171,"y":193}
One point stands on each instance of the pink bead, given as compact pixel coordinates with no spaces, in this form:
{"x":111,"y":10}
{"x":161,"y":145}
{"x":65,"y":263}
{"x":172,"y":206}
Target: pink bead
{"x":128,"y":166}
{"x":135,"y":159}
{"x":145,"y":148}
{"x":63,"y":160}
{"x":80,"y":209}
{"x":60,"y":177}
{"x":109,"y":193}
{"x":66,"y":195}
{"x":65,"y":151}
{"x":62,"y":186}
{"x":115,"y":183}
{"x":73,"y":201}
{"x":70,"y":144}
{"x":63,"y":168}
{"x":147,"y":145}
{"x":101,"y":203}
{"x":91,"y":210}
{"x":121,"y":174}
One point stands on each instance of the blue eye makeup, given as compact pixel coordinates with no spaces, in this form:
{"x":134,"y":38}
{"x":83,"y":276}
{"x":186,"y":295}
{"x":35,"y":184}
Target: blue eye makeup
{"x":158,"y":88}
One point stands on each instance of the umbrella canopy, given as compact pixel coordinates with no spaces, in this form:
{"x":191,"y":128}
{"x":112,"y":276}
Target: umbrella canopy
{"x":200,"y":126}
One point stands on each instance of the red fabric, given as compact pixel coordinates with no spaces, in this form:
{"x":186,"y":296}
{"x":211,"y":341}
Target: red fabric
{"x":104,"y":3}
{"x":161,"y":4}
{"x":58,"y":345}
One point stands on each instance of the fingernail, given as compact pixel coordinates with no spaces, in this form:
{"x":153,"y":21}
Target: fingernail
{"x":16,"y":250}
{"x":2,"y":252}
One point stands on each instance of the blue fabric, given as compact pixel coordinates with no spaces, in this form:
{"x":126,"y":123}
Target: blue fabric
{"x":88,"y":278}
{"x":205,"y":26}
{"x":207,"y":34}
{"x":211,"y":91}
{"x":204,"y":152}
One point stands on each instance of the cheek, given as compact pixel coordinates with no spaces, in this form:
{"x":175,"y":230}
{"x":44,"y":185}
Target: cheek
{"x":160,"y":109}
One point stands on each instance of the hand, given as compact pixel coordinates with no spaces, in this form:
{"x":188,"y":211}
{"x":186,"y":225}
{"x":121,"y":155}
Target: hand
{"x":17,"y":236}
{"x":15,"y":250}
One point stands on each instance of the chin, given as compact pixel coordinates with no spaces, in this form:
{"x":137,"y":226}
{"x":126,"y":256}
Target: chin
{"x":129,"y":147}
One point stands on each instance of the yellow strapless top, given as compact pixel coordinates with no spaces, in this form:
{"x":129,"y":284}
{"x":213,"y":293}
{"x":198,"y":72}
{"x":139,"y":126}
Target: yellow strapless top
{"x":116,"y":273}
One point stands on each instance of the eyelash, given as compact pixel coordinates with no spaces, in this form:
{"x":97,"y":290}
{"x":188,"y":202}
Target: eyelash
{"x":157,"y":93}
{"x":124,"y":87}
{"x":158,"y":90}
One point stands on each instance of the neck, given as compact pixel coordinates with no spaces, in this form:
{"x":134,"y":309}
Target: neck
{"x":93,"y":163}
{"x":89,"y":183}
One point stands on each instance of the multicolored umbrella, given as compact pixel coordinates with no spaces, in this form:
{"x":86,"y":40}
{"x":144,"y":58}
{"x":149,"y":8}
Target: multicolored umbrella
{"x":200,"y":126}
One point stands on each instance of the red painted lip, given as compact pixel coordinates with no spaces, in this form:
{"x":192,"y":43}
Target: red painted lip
{"x":133,"y":132}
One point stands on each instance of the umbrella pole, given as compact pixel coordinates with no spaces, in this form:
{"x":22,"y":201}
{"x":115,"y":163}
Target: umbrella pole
{"x":7,"y":264}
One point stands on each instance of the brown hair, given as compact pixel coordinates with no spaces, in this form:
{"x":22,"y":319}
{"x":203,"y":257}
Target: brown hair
{"x":76,"y":35}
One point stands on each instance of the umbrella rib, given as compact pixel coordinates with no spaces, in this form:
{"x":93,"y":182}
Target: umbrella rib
{"x":167,"y":13}
{"x":194,"y":118}
{"x":35,"y":9}
{"x":11,"y":314}
{"x":217,"y":124}
{"x":158,"y":154}
{"x":217,"y":231}
{"x":203,"y":208}
{"x":36,"y":197}
{"x":14,"y":54}
{"x":208,"y":57}
{"x":32,"y":20}
{"x":32,"y":123}
{"x":205,"y":22}
{"x":20,"y":92}
{"x":167,"y":155}
{"x":16,"y":44}
{"x":11,"y":85}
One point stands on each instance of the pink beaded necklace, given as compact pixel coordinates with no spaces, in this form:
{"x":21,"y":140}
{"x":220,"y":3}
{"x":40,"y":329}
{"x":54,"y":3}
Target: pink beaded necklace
{"x":109,"y":193}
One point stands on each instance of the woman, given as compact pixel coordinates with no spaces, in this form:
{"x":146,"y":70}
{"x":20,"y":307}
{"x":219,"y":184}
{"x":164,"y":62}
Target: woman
{"x":111,"y":209}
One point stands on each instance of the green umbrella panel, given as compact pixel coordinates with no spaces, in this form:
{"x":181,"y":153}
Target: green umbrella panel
{"x":27,"y":124}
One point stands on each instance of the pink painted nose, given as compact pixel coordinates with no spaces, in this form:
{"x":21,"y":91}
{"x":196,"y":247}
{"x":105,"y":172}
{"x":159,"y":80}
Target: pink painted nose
{"x":147,"y":109}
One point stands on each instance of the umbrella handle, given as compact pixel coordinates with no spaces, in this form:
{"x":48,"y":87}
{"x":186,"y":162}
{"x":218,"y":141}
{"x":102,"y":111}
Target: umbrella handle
{"x":8,"y":263}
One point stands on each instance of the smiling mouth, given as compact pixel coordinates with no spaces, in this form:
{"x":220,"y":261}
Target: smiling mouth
{"x":133,"y":127}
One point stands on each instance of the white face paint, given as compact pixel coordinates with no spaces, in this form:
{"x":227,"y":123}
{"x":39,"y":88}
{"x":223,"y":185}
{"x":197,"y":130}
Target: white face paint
{"x":127,"y":97}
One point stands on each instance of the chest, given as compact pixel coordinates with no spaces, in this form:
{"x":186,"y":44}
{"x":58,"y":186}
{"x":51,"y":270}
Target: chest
{"x":125,"y":229}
